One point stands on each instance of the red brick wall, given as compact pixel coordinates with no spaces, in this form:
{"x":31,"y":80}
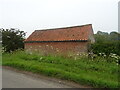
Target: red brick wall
{"x":57,"y":47}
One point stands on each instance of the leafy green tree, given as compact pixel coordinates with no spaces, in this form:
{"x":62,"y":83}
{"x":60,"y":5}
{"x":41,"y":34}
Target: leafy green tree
{"x":12,"y":39}
{"x":101,"y":37}
{"x":102,"y":33}
{"x":114,"y":36}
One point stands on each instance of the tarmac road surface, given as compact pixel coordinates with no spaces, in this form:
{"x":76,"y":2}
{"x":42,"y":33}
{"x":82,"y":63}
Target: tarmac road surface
{"x":16,"y":79}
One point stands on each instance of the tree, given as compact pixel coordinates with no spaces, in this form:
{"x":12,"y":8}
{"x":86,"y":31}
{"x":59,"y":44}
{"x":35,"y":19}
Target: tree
{"x":12,"y":39}
{"x":102,"y":33}
{"x":101,"y":37}
{"x":114,"y":36}
{"x":105,"y":37}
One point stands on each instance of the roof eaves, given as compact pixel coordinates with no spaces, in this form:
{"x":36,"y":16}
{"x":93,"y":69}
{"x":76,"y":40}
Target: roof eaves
{"x":56,"y":41}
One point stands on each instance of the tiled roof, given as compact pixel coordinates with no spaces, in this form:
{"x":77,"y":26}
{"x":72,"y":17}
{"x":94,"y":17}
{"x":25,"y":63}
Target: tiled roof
{"x":62,"y":34}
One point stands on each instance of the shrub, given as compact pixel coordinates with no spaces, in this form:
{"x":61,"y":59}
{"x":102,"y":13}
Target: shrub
{"x":106,"y":47}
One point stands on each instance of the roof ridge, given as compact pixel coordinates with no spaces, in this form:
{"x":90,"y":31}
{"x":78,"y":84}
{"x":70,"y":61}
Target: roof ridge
{"x":63,"y":27}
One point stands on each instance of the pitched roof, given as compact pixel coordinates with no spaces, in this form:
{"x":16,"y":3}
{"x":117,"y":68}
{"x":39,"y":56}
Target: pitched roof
{"x":62,"y":34}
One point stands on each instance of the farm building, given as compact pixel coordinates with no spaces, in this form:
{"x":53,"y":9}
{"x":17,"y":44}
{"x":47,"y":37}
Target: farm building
{"x":74,"y":39}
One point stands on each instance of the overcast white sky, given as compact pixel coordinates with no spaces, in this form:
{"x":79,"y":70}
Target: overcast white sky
{"x":30,"y":15}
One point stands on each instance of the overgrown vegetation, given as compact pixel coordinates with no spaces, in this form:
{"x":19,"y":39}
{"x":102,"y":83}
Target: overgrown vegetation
{"x":106,"y":43}
{"x":96,"y":72}
{"x":106,"y":47}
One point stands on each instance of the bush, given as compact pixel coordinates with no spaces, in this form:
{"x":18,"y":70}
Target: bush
{"x":106,"y":47}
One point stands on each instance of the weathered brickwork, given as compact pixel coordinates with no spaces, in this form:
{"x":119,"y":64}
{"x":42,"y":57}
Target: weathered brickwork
{"x":57,"y":47}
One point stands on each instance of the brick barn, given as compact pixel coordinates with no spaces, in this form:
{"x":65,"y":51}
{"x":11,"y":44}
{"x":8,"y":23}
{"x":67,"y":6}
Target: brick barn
{"x":76,"y":39}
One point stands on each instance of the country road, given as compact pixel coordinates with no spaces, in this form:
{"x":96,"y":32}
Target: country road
{"x":15,"y":79}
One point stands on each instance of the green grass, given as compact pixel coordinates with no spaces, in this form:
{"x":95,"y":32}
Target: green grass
{"x":96,"y":73}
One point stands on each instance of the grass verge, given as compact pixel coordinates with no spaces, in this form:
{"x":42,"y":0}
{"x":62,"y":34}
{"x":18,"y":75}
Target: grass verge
{"x":96,"y":73}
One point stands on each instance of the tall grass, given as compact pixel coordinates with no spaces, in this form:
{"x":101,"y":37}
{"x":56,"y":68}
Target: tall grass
{"x":96,"y":72}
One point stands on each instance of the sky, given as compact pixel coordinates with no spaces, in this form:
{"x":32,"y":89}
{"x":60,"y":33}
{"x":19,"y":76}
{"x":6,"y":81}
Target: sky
{"x":30,"y":15}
